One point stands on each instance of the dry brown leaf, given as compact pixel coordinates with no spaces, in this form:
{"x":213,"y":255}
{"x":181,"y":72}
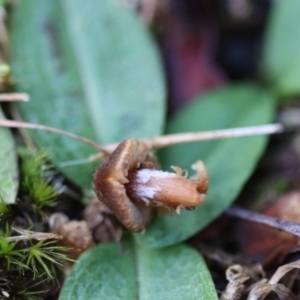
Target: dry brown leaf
{"x":262,"y":289}
{"x":281,"y":271}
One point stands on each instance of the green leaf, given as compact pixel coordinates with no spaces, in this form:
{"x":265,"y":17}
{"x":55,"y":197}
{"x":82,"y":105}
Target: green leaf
{"x":281,"y":59}
{"x":105,"y":272}
{"x":229,"y":162}
{"x":9,"y":173}
{"x":91,"y":69}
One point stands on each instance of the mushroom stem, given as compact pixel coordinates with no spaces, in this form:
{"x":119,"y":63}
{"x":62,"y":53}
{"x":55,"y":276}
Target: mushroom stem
{"x":172,"y":190}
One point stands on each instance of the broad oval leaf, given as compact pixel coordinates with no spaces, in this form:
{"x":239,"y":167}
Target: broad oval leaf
{"x":90,"y":68}
{"x":9,"y":173}
{"x":105,"y":272}
{"x":230,"y":162}
{"x":281,"y":59}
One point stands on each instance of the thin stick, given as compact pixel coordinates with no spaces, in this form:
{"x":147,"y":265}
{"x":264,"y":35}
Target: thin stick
{"x":74,"y":162}
{"x":157,"y":142}
{"x":180,"y":138}
{"x":14,"y":97}
{"x":19,"y":124}
{"x":280,"y":224}
{"x":32,"y":235}
{"x":29,"y":143}
{"x":172,"y":139}
{"x":148,"y":10}
{"x":4,"y":40}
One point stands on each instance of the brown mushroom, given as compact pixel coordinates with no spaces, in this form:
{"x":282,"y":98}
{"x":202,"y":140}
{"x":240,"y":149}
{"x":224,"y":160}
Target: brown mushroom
{"x":131,"y":188}
{"x":75,"y":234}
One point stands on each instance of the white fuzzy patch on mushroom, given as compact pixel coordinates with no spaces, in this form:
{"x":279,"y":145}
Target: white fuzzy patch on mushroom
{"x":143,"y":176}
{"x":146,"y":193}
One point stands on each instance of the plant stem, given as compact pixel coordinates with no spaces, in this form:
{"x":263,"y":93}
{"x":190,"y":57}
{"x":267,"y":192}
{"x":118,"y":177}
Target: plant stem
{"x":280,"y":224}
{"x":172,"y":139}
{"x":188,"y":137}
{"x":32,"y":235}
{"x":19,"y":124}
{"x":156,"y":142}
{"x":14,"y":97}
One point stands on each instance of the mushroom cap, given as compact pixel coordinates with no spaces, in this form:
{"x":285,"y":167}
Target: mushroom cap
{"x":109,"y":181}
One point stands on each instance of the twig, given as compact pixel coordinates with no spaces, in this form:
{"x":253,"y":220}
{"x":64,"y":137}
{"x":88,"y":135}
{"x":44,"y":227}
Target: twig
{"x":29,"y":143}
{"x":18,"y":124}
{"x":188,"y":137}
{"x":280,"y":224}
{"x":14,"y":97}
{"x":4,"y":40}
{"x":148,"y":10}
{"x":156,"y":142}
{"x":32,"y":235}
{"x":80,"y":161}
{"x":172,"y":139}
